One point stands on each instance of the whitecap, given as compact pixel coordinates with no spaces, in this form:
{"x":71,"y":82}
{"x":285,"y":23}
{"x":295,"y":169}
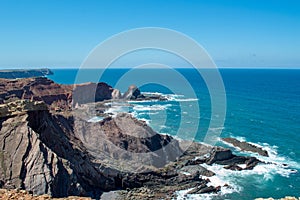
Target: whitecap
{"x":151,"y":107}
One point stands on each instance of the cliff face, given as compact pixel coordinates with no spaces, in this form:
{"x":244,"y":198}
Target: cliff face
{"x":39,"y":153}
{"x":56,"y":96}
{"x":59,"y":156}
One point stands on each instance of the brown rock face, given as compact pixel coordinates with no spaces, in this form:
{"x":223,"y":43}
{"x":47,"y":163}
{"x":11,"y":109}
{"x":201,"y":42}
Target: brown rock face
{"x":37,"y":89}
{"x":126,"y":143}
{"x":59,"y":156}
{"x":39,"y":153}
{"x":91,"y":92}
{"x":57,"y":96}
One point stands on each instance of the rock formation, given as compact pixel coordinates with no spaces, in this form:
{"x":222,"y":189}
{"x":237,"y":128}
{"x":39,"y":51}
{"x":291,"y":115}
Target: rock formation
{"x":91,"y":92}
{"x":244,"y":146}
{"x":116,"y":94}
{"x":132,"y":93}
{"x":61,"y":154}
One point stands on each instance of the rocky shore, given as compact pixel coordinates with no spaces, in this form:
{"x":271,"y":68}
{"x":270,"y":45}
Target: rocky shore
{"x":47,"y":148}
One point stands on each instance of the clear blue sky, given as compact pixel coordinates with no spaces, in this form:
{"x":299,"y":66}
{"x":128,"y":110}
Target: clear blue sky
{"x":236,"y":33}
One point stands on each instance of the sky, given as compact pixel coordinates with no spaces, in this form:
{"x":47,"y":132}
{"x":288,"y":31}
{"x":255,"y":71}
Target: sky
{"x":62,"y":33}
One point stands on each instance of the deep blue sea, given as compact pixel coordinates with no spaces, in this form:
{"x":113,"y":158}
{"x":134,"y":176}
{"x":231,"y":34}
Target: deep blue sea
{"x":263,"y":107}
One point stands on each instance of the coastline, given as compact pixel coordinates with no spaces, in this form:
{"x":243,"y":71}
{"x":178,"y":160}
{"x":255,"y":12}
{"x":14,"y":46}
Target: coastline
{"x":61,"y":112}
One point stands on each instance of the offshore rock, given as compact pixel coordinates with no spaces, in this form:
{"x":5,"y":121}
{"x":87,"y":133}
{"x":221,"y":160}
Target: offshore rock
{"x":244,"y":146}
{"x":224,"y":156}
{"x":132,"y":93}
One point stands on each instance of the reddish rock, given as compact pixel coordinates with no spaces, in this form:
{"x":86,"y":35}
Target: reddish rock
{"x":57,"y":96}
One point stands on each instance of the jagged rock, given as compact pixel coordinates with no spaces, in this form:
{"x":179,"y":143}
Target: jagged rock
{"x":127,"y":140}
{"x":224,"y":156}
{"x":197,"y":169}
{"x":41,"y":155}
{"x":244,"y":146}
{"x":133,"y":92}
{"x":251,"y":163}
{"x":219,"y":154}
{"x":116,"y":94}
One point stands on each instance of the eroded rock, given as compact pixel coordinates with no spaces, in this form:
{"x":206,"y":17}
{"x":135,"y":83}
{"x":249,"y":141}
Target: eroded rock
{"x":244,"y":146}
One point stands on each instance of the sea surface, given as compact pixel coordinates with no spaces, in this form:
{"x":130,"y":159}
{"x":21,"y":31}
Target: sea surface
{"x":263,"y":107}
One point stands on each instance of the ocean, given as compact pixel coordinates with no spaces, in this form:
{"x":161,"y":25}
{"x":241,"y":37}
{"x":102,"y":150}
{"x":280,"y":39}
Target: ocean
{"x":262,"y":107}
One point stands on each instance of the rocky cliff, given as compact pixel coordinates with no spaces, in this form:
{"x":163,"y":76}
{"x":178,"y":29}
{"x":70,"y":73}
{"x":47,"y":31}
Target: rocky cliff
{"x":61,"y":154}
{"x":61,"y":97}
{"x":57,"y":96}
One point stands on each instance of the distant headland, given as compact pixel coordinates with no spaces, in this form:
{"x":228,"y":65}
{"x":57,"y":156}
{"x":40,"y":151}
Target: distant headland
{"x":24,"y":73}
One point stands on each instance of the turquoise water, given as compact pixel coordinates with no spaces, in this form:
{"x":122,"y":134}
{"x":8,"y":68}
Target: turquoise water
{"x":263,"y":107}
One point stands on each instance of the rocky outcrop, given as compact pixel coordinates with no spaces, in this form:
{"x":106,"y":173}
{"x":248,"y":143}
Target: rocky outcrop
{"x":124,"y":139}
{"x":57,"y":96}
{"x":116,"y":94}
{"x":91,"y":92}
{"x":22,"y":73}
{"x":132,"y":93}
{"x":21,"y":106}
{"x":36,"y":89}
{"x":244,"y":146}
{"x":224,"y":156}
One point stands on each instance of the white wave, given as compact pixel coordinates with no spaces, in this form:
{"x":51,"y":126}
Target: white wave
{"x":151,"y":107}
{"x":170,"y":97}
{"x":117,"y":109}
{"x":283,"y":164}
{"x":143,"y":101}
{"x":274,"y":165}
{"x":152,"y":93}
{"x":145,"y":120}
{"x":214,"y":181}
